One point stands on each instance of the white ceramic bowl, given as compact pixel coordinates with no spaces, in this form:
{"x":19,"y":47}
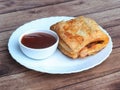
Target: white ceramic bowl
{"x":39,"y":53}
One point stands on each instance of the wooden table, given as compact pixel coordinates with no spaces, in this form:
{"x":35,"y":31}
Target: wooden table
{"x":14,"y":13}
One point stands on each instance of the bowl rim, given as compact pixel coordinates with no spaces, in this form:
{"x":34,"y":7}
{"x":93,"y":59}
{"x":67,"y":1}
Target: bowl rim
{"x":44,"y":31}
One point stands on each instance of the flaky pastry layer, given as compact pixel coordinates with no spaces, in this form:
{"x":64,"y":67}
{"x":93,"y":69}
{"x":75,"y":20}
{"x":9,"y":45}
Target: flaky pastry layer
{"x":80,"y":37}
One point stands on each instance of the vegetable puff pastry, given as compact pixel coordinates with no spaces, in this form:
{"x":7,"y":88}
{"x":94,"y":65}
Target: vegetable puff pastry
{"x":80,"y":37}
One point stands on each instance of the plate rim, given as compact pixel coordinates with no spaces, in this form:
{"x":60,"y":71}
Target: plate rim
{"x":57,"y":72}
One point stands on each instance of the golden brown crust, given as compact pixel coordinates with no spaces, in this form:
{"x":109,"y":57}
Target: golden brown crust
{"x":77,"y":34}
{"x":64,"y":51}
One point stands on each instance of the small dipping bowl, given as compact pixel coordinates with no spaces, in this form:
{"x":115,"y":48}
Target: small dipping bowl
{"x":29,"y":43}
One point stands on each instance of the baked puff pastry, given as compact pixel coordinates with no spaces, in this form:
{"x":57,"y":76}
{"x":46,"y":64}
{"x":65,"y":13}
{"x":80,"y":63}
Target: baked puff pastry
{"x":80,"y":37}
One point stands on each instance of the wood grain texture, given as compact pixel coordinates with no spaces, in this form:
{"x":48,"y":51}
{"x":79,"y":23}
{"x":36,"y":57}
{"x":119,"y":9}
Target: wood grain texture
{"x":14,"y":13}
{"x":96,"y":84}
{"x":68,"y":9}
{"x":8,"y":6}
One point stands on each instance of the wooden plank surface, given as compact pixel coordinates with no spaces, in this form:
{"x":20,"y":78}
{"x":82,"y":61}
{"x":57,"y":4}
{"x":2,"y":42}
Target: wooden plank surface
{"x":14,"y":13}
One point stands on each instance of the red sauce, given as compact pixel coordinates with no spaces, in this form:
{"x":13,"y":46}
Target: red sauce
{"x":38,"y":40}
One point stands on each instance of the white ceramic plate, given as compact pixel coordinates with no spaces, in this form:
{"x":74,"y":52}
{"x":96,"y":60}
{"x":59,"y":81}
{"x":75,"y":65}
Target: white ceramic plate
{"x":57,"y":63}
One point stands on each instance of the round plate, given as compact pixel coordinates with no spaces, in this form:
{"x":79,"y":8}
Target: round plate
{"x":57,"y":63}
